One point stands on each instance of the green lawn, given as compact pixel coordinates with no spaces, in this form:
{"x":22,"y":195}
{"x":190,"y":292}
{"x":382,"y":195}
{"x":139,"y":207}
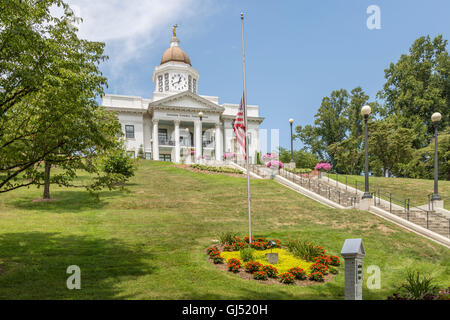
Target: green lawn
{"x":148,"y":243}
{"x":403,"y":188}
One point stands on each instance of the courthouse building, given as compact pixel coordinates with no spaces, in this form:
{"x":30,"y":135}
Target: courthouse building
{"x":177,"y":124}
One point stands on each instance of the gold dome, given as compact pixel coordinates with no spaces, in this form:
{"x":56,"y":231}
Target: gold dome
{"x":175,"y":53}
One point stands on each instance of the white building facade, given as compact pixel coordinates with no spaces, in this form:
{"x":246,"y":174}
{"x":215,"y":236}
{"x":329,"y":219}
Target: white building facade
{"x":177,"y":124}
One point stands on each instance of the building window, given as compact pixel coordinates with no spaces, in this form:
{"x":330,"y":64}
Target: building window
{"x":162,"y":134}
{"x":148,"y":156}
{"x":166,"y":81}
{"x":194,"y":85}
{"x":190,"y":83}
{"x":249,"y":138}
{"x":165,"y":157}
{"x":131,"y":154}
{"x":160,"y":83}
{"x":129,"y":131}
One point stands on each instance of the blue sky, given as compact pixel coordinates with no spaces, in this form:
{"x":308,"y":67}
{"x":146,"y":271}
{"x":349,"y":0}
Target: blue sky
{"x":297,"y":52}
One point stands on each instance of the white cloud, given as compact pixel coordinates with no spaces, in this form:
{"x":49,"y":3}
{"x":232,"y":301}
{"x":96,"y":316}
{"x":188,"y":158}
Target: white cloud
{"x":131,"y":27}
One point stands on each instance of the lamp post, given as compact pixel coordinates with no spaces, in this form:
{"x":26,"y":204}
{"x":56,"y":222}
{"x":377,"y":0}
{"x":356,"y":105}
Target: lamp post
{"x":365,"y":111}
{"x":200,"y":115}
{"x":436,"y":118}
{"x":291,"y":121}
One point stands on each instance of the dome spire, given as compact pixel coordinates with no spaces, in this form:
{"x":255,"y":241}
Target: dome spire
{"x":175,"y":53}
{"x":174,"y":30}
{"x":174,"y":42}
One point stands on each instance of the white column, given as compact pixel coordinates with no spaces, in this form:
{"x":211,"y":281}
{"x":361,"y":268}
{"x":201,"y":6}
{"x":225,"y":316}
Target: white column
{"x":155,"y":140}
{"x":198,"y":140}
{"x":219,"y":140}
{"x":177,"y":141}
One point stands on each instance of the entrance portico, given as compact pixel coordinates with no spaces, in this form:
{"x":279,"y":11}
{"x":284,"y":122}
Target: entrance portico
{"x":187,"y":139}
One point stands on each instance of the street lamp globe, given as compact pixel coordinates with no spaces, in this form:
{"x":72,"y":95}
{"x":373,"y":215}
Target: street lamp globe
{"x":366,"y":110}
{"x":436,"y":117}
{"x":291,"y":121}
{"x":200,"y":114}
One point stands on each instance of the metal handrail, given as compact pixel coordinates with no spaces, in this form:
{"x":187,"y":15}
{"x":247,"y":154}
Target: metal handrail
{"x":404,"y":203}
{"x":328,"y":192}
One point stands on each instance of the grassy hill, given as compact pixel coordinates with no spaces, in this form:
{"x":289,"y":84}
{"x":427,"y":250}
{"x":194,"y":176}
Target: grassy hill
{"x":415,"y":189}
{"x":148,"y":243}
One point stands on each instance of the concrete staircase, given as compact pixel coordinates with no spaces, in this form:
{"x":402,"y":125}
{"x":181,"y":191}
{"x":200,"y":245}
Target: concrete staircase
{"x":428,"y":223}
{"x":313,"y":183}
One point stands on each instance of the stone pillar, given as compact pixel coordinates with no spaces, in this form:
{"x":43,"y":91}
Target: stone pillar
{"x":198,"y":140}
{"x":365,"y":203}
{"x":155,"y":137}
{"x":219,"y":141}
{"x":353,"y":252}
{"x":177,"y":141}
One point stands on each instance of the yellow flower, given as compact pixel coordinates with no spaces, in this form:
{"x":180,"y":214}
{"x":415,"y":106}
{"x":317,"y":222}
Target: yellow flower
{"x":286,"y":260}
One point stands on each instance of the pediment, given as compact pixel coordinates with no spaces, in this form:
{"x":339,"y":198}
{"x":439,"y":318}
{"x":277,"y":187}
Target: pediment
{"x":185,"y":100}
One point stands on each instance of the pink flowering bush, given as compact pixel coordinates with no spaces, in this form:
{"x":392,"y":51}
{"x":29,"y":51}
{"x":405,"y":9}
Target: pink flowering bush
{"x":274,"y":164}
{"x":228,"y":155}
{"x":268,"y":157}
{"x":323,"y":166}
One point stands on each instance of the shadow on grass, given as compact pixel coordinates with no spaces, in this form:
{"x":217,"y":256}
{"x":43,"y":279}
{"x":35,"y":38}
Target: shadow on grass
{"x":33,"y":266}
{"x":67,"y":201}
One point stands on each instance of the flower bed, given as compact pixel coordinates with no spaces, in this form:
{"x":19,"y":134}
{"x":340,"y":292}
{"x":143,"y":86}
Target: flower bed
{"x":289,"y":269}
{"x":216,"y":169}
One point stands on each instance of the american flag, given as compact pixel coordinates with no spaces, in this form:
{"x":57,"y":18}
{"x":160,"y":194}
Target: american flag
{"x":239,"y":127}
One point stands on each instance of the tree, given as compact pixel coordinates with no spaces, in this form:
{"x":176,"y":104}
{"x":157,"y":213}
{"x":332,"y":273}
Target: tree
{"x":348,"y":155}
{"x":141,"y":154}
{"x":118,"y":162}
{"x":419,"y":85}
{"x":302,"y":158}
{"x":390,"y":146}
{"x":48,"y":87}
{"x":338,"y":118}
{"x":421,"y":165}
{"x":86,"y":139}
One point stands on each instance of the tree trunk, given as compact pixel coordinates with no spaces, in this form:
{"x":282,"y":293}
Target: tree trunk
{"x":48,"y":166}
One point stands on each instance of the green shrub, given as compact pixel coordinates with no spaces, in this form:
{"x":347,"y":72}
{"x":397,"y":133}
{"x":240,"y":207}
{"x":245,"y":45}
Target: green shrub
{"x":319,"y":267}
{"x":253,"y":266}
{"x":271,"y":271}
{"x":287,"y":278}
{"x":298,"y":273}
{"x":260,"y":275}
{"x":141,"y":154}
{"x":335,"y":261}
{"x":333,"y":270}
{"x":418,"y":286}
{"x":299,"y":170}
{"x":217,"y":259}
{"x":226,"y":237}
{"x":247,"y":254}
{"x":234,"y":265}
{"x":216,"y":169}
{"x":305,"y":250}
{"x":118,"y":162}
{"x":316,"y":276}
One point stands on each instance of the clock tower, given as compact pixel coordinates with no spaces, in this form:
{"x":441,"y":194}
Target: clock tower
{"x":175,"y":74}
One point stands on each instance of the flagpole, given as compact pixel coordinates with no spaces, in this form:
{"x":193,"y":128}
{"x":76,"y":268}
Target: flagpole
{"x":246,"y":135}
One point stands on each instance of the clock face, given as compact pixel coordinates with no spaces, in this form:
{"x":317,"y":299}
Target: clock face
{"x":178,"y":82}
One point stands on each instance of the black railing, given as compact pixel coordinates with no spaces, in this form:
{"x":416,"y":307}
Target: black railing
{"x":330,"y":192}
{"x":166,"y":142}
{"x":402,"y":207}
{"x":432,"y":220}
{"x":208,"y":143}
